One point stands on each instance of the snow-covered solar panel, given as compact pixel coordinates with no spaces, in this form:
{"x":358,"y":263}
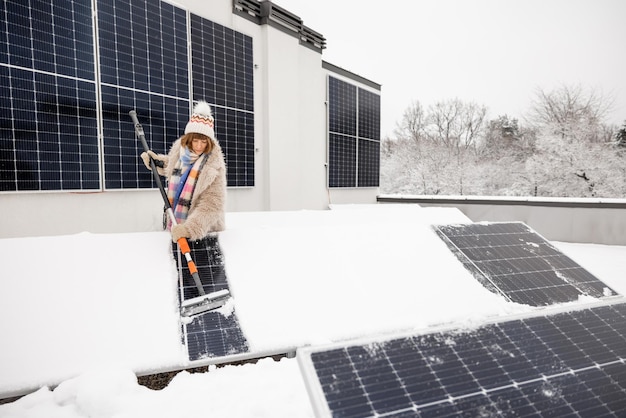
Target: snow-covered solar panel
{"x":215,"y":333}
{"x":568,"y":363}
{"x":511,"y":259}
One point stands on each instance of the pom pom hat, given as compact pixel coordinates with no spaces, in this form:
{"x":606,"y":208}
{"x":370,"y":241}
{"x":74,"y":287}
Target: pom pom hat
{"x":201,"y":120}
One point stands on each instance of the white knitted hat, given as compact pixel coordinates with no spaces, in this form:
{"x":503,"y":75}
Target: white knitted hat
{"x":201,"y":120}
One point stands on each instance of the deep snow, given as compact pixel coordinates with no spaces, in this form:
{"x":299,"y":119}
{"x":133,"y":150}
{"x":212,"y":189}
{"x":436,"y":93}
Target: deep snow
{"x":94,"y":308}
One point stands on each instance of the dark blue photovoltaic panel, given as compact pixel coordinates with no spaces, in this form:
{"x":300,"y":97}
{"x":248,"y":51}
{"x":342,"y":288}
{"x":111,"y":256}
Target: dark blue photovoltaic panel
{"x":163,"y":119}
{"x":354,"y":135}
{"x":47,"y":57}
{"x":222,"y":68}
{"x":564,"y":364}
{"x":511,"y":259}
{"x":369,"y":163}
{"x":143,"y":64}
{"x":55,"y":38}
{"x":49,"y":135}
{"x":235,"y":132}
{"x":210,"y":334}
{"x":342,"y":107}
{"x":342,"y":161}
{"x":222,"y":65}
{"x":48,"y":131}
{"x":369,"y":115}
{"x":143,"y":46}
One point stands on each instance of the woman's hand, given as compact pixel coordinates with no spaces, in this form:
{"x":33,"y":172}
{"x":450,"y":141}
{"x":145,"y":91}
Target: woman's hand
{"x":179,"y":231}
{"x":159,"y":160}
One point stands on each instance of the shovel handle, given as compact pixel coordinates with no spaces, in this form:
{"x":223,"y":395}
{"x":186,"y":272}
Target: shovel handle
{"x":183,"y":245}
{"x":182,"y":242}
{"x":142,"y":138}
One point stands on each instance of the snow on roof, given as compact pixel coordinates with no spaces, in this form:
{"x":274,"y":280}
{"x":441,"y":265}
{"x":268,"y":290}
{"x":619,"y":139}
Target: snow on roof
{"x":74,"y":303}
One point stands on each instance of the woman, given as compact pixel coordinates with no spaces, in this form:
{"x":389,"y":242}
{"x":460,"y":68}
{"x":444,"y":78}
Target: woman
{"x":196,"y":179}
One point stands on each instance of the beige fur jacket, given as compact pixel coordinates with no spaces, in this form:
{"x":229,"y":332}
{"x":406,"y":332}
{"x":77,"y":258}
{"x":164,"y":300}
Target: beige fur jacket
{"x":206,"y":213}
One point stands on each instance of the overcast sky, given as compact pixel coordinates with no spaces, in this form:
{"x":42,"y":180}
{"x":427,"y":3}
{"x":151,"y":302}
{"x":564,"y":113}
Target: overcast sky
{"x":492,"y":52}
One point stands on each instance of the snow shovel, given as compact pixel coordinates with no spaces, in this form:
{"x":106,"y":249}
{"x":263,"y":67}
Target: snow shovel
{"x":206,"y":301}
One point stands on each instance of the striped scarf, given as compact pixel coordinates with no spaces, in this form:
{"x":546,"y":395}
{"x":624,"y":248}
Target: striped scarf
{"x":182,"y":182}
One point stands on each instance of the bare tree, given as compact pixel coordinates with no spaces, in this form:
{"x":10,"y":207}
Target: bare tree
{"x":456,"y":124}
{"x":412,"y":124}
{"x":570,"y":109}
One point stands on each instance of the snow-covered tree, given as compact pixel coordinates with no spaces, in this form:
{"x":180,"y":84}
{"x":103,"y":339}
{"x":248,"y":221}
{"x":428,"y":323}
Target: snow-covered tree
{"x":572,"y":156}
{"x":455,"y":124}
{"x":505,"y":138}
{"x":570,"y":109}
{"x":564,"y":149}
{"x":412,"y":124}
{"x":620,"y":136}
{"x":433,"y":149}
{"x":576,"y":168}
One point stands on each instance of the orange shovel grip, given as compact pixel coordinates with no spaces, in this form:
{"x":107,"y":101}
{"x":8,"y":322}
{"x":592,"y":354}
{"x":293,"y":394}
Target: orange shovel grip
{"x":184,"y":245}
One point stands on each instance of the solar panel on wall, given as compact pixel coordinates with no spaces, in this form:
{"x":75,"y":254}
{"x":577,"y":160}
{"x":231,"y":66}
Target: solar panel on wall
{"x":341,"y":161}
{"x":369,"y":115}
{"x":368,"y":163}
{"x":49,"y":81}
{"x":562,"y":364}
{"x":143,"y":66}
{"x":511,"y":259}
{"x":222,"y":68}
{"x":369,"y":139}
{"x":342,"y":107}
{"x":48,"y":123}
{"x":353,"y":135}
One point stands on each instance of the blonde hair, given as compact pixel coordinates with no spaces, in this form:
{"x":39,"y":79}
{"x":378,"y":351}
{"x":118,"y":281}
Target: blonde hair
{"x":187,"y":139}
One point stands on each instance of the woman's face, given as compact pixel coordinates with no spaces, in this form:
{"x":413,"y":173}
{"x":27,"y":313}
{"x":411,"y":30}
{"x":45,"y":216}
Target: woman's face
{"x":198,"y":145}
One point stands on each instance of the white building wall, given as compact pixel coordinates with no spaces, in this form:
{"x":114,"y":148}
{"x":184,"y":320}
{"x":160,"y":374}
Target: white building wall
{"x":296,"y":143}
{"x":584,"y":220}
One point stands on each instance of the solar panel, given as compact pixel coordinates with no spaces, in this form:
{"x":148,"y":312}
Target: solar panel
{"x":342,"y":107}
{"x":143,"y":66}
{"x":512,"y":260}
{"x":165,"y":119}
{"x":211,"y":334}
{"x":562,"y":364}
{"x":354,"y":135}
{"x":222,"y":68}
{"x":53,"y":88}
{"x":341,"y":161}
{"x":369,"y":163}
{"x":48,"y":124}
{"x":369,"y":115}
{"x":369,"y":139}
